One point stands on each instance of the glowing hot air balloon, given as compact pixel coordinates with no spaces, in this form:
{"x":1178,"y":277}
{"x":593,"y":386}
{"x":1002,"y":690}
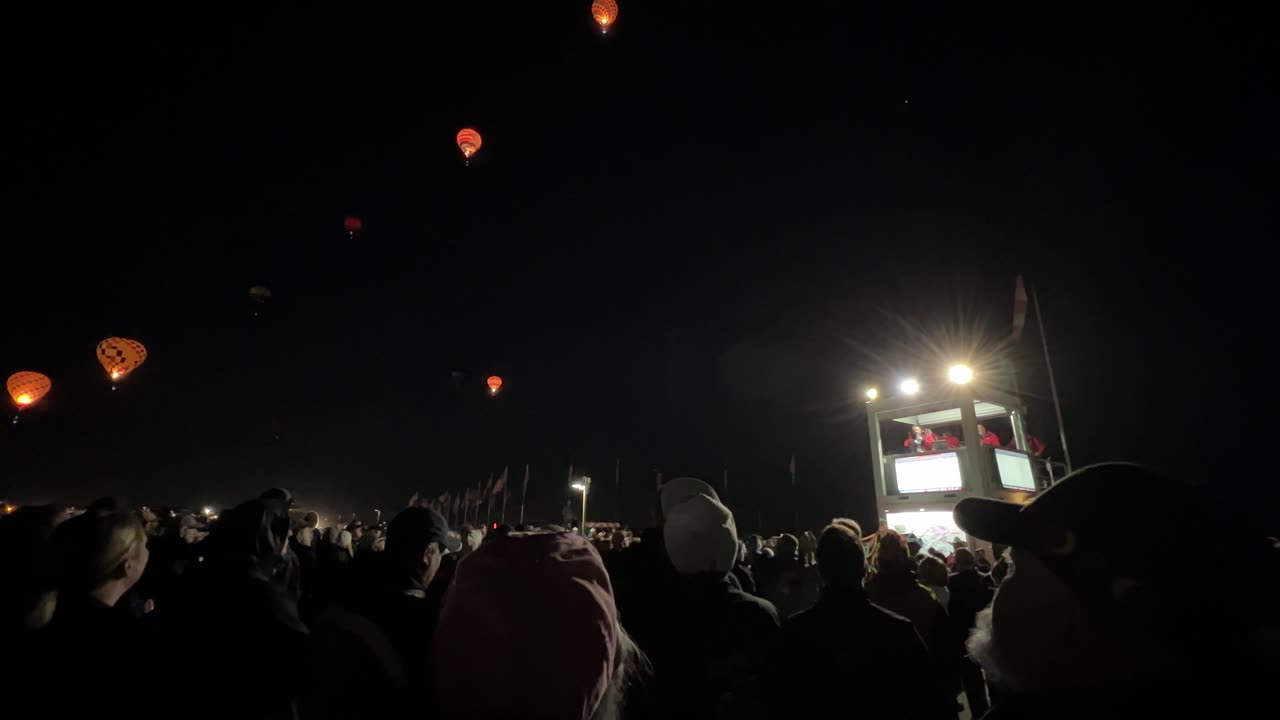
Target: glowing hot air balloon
{"x":353,"y":225}
{"x":468,"y":142}
{"x":494,"y":383}
{"x":27,"y":387}
{"x":120,"y":356}
{"x":259,"y":293}
{"x":605,"y":12}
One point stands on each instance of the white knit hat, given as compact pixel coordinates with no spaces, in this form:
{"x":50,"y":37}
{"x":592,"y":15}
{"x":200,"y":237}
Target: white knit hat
{"x":680,"y":489}
{"x":701,"y":537}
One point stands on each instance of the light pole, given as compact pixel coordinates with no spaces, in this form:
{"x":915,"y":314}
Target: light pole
{"x":583,"y":486}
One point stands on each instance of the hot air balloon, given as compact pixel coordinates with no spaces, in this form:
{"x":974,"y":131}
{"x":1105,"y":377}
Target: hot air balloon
{"x":469,"y":143}
{"x":120,"y":356}
{"x":605,"y":12}
{"x":353,"y":225}
{"x":494,"y":382}
{"x":259,"y":293}
{"x":27,"y":387}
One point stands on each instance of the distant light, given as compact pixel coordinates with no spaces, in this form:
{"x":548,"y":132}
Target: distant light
{"x":872,"y":393}
{"x":960,"y":374}
{"x":579,"y":487}
{"x":23,"y":399}
{"x":910,"y":387}
{"x":208,"y":511}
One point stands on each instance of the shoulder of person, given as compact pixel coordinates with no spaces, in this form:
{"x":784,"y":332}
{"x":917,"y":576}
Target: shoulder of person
{"x":889,"y":618}
{"x":757,"y":606}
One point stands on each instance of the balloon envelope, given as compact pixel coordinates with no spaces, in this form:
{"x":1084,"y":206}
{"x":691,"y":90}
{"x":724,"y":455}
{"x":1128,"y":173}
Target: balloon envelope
{"x":469,"y":142}
{"x":494,"y":382}
{"x":27,"y":387}
{"x":605,"y":12}
{"x":353,"y":224}
{"x":120,"y":356}
{"x":260,"y":293}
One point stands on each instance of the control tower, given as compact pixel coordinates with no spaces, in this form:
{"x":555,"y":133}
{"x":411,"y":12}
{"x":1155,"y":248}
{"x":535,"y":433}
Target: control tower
{"x":917,"y":487}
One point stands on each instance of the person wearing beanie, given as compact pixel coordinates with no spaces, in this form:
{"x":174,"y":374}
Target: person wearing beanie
{"x":529,"y":629}
{"x":710,"y":651}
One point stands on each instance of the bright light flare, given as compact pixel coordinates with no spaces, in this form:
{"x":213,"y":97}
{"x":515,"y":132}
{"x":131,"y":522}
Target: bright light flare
{"x":872,"y":393}
{"x":208,"y":511}
{"x":910,"y":386}
{"x":115,"y":374}
{"x":579,"y":487}
{"x":23,"y":399}
{"x":960,"y":374}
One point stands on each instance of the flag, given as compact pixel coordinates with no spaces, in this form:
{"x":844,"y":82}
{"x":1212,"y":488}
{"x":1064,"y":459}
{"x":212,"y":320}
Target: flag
{"x":524,"y":488}
{"x":488,"y":488}
{"x":502,"y":481}
{"x":793,"y":469}
{"x":1019,"y":308}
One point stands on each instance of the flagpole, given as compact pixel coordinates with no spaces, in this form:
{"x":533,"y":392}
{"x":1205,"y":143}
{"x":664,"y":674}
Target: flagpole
{"x":524,"y":490}
{"x":1053,"y":385}
{"x":795,"y":511}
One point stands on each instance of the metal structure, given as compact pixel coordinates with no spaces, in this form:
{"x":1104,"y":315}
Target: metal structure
{"x":916,"y":491}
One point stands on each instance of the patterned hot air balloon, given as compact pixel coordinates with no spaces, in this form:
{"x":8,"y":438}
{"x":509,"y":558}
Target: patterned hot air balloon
{"x":468,"y":142}
{"x":353,"y":225}
{"x":605,"y":12}
{"x":494,"y":382}
{"x":120,"y":356}
{"x":27,"y":387}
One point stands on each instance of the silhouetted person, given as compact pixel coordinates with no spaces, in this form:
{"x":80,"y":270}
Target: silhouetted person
{"x":846,"y":653}
{"x":1084,"y":626}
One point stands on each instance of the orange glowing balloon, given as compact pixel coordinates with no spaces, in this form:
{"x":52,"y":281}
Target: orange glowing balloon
{"x":605,"y":12}
{"x":27,"y":387}
{"x":494,"y":383}
{"x":468,"y":142}
{"x":120,"y":356}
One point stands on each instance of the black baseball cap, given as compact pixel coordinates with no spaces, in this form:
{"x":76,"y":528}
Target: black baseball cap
{"x":415,"y":527}
{"x":1112,"y":528}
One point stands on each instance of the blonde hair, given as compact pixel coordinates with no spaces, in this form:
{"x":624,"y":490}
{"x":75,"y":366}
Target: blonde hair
{"x":90,"y":548}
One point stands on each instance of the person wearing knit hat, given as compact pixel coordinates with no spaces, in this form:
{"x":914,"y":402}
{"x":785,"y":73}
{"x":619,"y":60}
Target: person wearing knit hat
{"x":529,"y":629}
{"x":710,"y":648}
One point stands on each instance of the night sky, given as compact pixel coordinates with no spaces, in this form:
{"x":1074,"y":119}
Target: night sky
{"x":687,"y":244}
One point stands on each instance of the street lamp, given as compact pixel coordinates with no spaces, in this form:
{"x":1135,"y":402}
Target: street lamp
{"x":583,"y":486}
{"x":960,"y":374}
{"x":872,"y":394}
{"x":910,"y":386}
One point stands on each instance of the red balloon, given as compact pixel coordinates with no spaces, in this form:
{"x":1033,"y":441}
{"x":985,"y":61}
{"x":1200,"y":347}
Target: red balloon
{"x":494,"y":383}
{"x":352,"y":224}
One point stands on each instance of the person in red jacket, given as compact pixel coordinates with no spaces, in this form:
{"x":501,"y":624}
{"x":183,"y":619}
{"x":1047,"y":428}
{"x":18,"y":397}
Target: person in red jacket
{"x":953,"y":442}
{"x":920,"y":440}
{"x":1035,"y":446}
{"x":988,"y":437}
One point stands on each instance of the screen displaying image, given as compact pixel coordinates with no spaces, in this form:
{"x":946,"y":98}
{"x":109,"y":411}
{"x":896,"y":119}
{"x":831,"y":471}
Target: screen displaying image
{"x":1015,"y":470}
{"x":938,"y":472}
{"x":936,"y":529}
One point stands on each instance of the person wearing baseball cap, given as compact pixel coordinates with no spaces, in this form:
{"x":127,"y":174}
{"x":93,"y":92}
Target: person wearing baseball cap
{"x":399,"y":596}
{"x":1102,"y":615}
